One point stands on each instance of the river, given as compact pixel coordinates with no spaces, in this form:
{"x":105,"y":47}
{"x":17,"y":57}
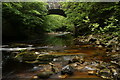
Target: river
{"x":62,"y":46}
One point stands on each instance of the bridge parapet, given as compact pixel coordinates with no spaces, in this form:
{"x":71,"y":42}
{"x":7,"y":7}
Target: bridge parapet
{"x":54,"y":5}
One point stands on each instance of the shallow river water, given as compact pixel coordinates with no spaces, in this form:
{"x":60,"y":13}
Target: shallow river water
{"x":63,"y":46}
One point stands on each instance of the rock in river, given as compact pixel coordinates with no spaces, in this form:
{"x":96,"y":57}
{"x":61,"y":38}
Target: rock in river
{"x":105,"y":73}
{"x":92,"y":72}
{"x":77,"y":59}
{"x":67,"y":70}
{"x":26,"y":56}
{"x":44,"y":75}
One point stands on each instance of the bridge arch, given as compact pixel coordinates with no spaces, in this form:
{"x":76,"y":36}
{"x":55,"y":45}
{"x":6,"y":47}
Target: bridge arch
{"x":57,"y":11}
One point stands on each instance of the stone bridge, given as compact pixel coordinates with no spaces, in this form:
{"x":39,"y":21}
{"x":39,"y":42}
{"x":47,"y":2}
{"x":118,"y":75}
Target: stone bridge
{"x":55,"y":8}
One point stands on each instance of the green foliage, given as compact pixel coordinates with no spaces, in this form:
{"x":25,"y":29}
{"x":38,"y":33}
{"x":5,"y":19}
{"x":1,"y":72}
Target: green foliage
{"x":26,"y":18}
{"x":57,"y":23}
{"x":23,"y":18}
{"x":93,"y":17}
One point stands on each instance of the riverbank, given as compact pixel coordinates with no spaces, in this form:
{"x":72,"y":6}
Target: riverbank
{"x":110,"y":68}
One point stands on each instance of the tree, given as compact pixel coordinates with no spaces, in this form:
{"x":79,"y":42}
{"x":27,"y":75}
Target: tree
{"x":93,"y":17}
{"x":23,"y":18}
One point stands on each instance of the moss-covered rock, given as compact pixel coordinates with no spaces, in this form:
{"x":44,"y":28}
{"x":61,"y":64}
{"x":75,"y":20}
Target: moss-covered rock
{"x":44,"y":75}
{"x":26,"y":56}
